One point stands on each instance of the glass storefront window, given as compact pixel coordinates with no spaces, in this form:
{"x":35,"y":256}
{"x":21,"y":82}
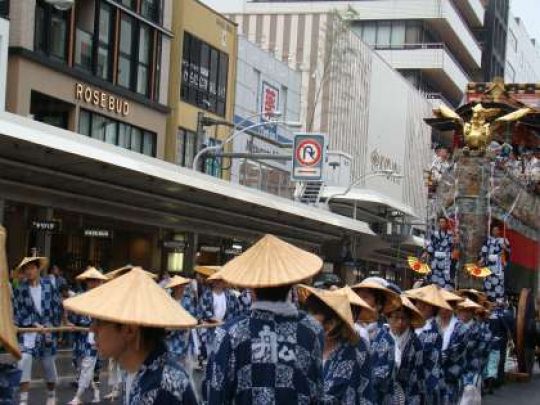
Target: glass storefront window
{"x":117,"y":133}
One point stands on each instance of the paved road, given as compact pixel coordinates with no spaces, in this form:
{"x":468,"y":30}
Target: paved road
{"x":516,"y":394}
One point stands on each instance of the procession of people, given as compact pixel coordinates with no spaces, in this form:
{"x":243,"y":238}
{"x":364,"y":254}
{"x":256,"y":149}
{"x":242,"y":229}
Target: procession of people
{"x":260,"y":333}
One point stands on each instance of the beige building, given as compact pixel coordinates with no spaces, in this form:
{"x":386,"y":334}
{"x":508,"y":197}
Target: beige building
{"x":203,"y":74}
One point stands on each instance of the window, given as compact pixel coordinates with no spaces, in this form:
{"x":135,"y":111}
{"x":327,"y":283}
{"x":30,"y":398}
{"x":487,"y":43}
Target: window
{"x":105,"y":42}
{"x":369,"y":33}
{"x":398,"y":35}
{"x":186,"y":144}
{"x":129,"y":3}
{"x":384,"y":30}
{"x":204,"y":75}
{"x":4,"y":8}
{"x":213,"y":165}
{"x":117,"y":133}
{"x":51,"y":27}
{"x":143,"y":67}
{"x":126,"y":48}
{"x":151,"y":9}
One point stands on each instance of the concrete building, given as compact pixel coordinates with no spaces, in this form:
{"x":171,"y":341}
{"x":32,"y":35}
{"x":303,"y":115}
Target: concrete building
{"x":202,"y":82}
{"x":522,"y":54}
{"x":264,"y":85}
{"x":432,"y":42}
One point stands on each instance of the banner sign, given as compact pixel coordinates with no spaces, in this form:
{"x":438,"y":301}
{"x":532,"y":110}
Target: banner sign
{"x":50,"y":226}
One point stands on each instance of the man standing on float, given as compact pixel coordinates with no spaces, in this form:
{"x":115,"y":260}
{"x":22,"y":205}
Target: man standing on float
{"x":439,"y":249}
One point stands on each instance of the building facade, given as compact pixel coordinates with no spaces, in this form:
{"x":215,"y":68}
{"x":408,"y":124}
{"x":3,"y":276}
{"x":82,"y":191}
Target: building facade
{"x":493,"y":38}
{"x":203,"y":75}
{"x":264,"y":85}
{"x":522,"y":54}
{"x":432,"y":43}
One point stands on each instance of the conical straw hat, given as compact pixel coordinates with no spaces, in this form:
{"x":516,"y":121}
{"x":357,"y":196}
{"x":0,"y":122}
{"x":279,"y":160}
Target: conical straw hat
{"x":417,"y":319}
{"x":123,"y":270}
{"x":449,"y":296}
{"x":134,"y":299}
{"x":336,"y":300}
{"x":207,"y":271}
{"x":367,"y":314}
{"x":178,"y":280}
{"x":470,"y":304}
{"x":393,"y":301}
{"x":429,"y":294}
{"x":271,"y":262}
{"x":43,"y":262}
{"x":91,"y":273}
{"x":8,"y":333}
{"x":475,"y":295}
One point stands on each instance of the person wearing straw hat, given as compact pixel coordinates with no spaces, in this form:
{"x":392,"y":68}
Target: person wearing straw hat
{"x":408,"y":353}
{"x":84,"y":344}
{"x":10,"y":375}
{"x":37,"y":304}
{"x":274,"y":354}
{"x":130,"y":316}
{"x":454,"y":335}
{"x":362,"y":313}
{"x":439,"y":248}
{"x":429,"y":300}
{"x":494,"y":254}
{"x":346,"y":369}
{"x":178,"y":341}
{"x":471,"y":379}
{"x":375,"y":292}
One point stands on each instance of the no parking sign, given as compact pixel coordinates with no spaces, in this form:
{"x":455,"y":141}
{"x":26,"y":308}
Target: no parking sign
{"x":308,"y":156}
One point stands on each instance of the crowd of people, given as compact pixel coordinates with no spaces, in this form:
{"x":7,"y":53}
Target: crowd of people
{"x":261,"y":335}
{"x":521,"y":162}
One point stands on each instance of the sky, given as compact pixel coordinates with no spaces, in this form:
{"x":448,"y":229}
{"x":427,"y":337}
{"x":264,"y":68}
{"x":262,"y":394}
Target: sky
{"x":527,"y":10}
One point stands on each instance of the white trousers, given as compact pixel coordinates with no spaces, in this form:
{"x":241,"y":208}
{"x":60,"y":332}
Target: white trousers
{"x":87,"y":373}
{"x":47,"y":362}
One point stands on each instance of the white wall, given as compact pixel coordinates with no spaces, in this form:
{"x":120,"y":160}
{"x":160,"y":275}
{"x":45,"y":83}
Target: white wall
{"x":522,"y":56}
{"x":4,"y":45}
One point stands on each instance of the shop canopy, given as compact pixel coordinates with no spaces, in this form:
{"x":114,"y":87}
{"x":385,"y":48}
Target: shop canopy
{"x":52,"y":167}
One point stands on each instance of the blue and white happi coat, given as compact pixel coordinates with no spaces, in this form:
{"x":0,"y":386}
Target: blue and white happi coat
{"x":347,"y":376}
{"x":439,"y":247}
{"x":273,"y":356}
{"x":486,"y":344}
{"x":83,"y":342}
{"x":245,"y":300}
{"x":161,"y":380}
{"x":10,"y":378}
{"x":453,"y":361}
{"x":473,"y":353}
{"x":410,"y":371}
{"x":26,"y":315}
{"x":178,"y":341}
{"x":382,"y":352}
{"x":431,"y":340}
{"x":206,"y":313}
{"x":492,"y":256}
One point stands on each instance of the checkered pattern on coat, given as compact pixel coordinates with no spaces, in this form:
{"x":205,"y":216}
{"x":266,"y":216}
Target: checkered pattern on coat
{"x":347,"y":376}
{"x":161,"y":380}
{"x":81,"y":346}
{"x":178,"y":341}
{"x":453,"y":359}
{"x":494,"y":283}
{"x":431,"y":340}
{"x":410,"y":375}
{"x":382,"y":352}
{"x":439,"y":246}
{"x":26,"y":315}
{"x":245,"y":301}
{"x":266,"y":358}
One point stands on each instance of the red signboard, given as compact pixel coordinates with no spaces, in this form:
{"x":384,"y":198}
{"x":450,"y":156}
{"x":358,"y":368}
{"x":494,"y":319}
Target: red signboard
{"x":270,"y":101}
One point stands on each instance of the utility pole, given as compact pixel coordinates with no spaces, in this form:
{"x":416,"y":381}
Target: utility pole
{"x":200,"y":140}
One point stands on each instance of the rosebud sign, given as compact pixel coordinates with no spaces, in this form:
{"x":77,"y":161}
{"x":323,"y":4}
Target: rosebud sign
{"x":101,"y":99}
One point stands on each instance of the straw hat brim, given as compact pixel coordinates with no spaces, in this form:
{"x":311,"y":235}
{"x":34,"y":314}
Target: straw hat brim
{"x":367,"y":313}
{"x":430,"y":295}
{"x":336,"y":300}
{"x":123,"y":270}
{"x":178,"y":281}
{"x":392,"y":300}
{"x":469,"y":304}
{"x":271,"y":262}
{"x":91,"y":274}
{"x":132,"y":299}
{"x":207,"y":271}
{"x":8,"y":332}
{"x":449,"y":296}
{"x":43,"y":262}
{"x":417,"y":319}
{"x":479,"y":296}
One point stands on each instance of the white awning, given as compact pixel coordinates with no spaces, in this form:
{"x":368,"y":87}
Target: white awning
{"x":367,"y":198}
{"x":42,"y":164}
